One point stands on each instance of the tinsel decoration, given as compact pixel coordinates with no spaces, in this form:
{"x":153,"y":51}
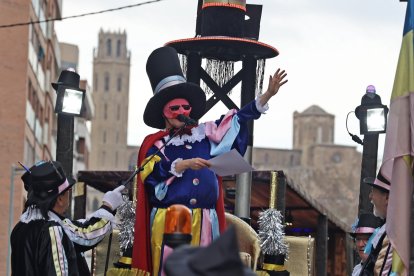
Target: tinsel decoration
{"x":126,"y":213}
{"x":261,"y":63}
{"x":220,"y":71}
{"x":183,"y":63}
{"x":271,"y":233}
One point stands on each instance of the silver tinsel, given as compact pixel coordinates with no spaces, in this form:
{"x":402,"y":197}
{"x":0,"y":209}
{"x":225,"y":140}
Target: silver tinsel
{"x":220,"y":71}
{"x":183,"y":62}
{"x":261,"y":63}
{"x":271,"y":233}
{"x":126,"y":213}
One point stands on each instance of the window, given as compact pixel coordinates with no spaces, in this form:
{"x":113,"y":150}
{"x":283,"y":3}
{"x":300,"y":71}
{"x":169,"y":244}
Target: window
{"x":104,"y":137}
{"x":118,"y":48}
{"x":118,"y":112}
{"x":106,"y":82}
{"x":119,"y":84}
{"x":336,"y":157}
{"x":116,"y":159}
{"x":95,"y":82}
{"x":105,"y":111}
{"x":117,"y":137}
{"x":319,"y":135}
{"x":108,"y":47}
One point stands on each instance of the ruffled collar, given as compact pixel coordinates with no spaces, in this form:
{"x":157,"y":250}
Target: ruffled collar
{"x":32,"y":214}
{"x":197,"y":134}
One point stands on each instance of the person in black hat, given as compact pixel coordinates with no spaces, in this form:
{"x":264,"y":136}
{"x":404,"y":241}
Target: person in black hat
{"x":221,"y":257}
{"x":44,"y":242}
{"x":379,"y":261}
{"x":363,"y":229}
{"x":179,"y":173}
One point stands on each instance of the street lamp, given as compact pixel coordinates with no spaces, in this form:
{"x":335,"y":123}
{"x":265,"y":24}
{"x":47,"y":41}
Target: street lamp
{"x":69,"y":100}
{"x":69,"y":97}
{"x":372,"y":115}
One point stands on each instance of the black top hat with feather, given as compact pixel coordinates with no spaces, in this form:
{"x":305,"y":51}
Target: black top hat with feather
{"x":45,"y":180}
{"x":168,"y":82}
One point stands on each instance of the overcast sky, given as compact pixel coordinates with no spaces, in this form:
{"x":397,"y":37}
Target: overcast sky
{"x":332,"y":50}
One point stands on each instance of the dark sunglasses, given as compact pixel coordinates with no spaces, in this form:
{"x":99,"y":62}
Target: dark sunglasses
{"x":177,"y":107}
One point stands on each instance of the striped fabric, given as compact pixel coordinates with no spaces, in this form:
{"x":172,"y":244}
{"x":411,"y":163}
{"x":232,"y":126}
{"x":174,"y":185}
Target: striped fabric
{"x":399,"y":150}
{"x":84,"y":235}
{"x":58,"y":252}
{"x":204,"y":229}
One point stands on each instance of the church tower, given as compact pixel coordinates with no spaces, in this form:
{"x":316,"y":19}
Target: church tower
{"x":111,"y":67}
{"x":314,"y":126}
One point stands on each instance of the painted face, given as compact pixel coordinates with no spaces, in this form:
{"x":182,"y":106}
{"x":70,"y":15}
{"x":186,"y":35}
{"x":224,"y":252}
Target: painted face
{"x":176,"y":107}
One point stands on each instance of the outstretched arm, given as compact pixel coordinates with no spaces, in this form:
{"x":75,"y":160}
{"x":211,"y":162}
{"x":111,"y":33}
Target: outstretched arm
{"x":275,"y":82}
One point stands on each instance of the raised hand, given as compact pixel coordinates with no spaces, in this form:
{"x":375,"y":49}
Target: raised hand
{"x":276,"y":81}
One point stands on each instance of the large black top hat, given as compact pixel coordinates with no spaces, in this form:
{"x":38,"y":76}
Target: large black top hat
{"x":367,"y":223}
{"x":68,"y":78}
{"x":44,"y":181}
{"x":223,"y":33}
{"x":168,"y":82}
{"x":222,"y":257}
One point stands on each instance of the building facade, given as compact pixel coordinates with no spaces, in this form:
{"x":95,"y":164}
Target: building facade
{"x":111,"y":67}
{"x":328,"y":172}
{"x":30,"y":60}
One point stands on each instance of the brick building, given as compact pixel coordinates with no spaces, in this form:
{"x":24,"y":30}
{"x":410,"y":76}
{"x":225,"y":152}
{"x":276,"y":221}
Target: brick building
{"x":30,"y":61}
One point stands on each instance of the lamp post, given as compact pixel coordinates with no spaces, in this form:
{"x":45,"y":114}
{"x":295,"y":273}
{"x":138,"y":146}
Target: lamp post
{"x":372,"y":115}
{"x":69,"y":100}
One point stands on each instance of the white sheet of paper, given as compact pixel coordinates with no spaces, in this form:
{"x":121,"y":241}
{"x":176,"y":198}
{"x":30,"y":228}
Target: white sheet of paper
{"x":229,"y":163}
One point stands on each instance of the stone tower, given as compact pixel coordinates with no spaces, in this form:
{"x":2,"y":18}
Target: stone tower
{"x":111,"y":67}
{"x":314,"y":126}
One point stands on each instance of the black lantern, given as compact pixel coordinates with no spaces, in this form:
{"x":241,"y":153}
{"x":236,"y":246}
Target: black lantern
{"x":372,"y":114}
{"x":69,"y":100}
{"x":69,"y":97}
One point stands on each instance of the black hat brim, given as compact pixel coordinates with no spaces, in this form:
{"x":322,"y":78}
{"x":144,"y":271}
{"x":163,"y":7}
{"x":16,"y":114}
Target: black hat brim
{"x":34,"y":199}
{"x":153,"y":115}
{"x":371,"y":181}
{"x":179,"y":262}
{"x":224,"y":48}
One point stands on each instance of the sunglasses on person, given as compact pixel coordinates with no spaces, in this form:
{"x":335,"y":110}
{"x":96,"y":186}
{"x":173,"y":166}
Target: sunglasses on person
{"x":177,"y":107}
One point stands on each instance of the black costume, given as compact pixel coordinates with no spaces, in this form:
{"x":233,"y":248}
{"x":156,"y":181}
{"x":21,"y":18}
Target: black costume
{"x":55,"y":246}
{"x":44,"y":242}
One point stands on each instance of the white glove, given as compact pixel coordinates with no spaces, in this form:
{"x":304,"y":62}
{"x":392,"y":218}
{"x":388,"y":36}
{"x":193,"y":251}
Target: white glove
{"x":114,"y":198}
